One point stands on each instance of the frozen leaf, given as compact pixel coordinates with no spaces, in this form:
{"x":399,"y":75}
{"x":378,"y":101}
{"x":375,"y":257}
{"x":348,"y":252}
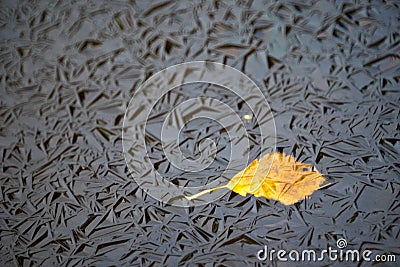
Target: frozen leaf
{"x":274,"y":176}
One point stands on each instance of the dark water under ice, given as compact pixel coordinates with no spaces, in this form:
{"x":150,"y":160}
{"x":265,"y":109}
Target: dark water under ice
{"x":330,"y":73}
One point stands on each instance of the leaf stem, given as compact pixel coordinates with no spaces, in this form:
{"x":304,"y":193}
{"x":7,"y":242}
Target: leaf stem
{"x":205,"y":192}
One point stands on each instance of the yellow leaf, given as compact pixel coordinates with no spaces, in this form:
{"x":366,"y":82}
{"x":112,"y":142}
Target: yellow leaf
{"x":274,"y":176}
